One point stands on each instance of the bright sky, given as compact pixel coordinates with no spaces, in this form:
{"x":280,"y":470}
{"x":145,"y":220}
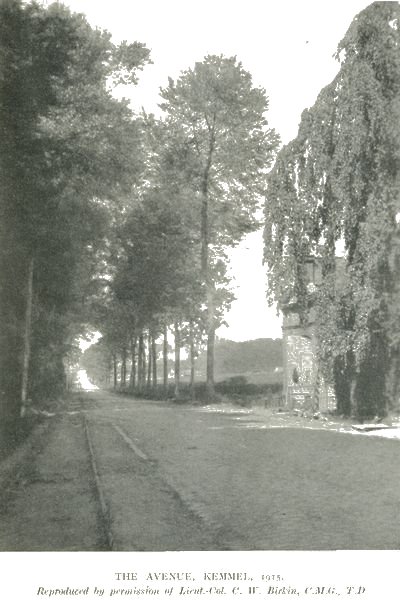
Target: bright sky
{"x":286,"y":46}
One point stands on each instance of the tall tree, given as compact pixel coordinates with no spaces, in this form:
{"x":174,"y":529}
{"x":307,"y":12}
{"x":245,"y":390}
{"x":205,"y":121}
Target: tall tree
{"x":67,"y":145}
{"x":338,"y":182}
{"x":219,"y":148}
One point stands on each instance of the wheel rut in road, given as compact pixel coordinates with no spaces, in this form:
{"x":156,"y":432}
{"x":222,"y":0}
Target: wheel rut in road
{"x":141,"y":510}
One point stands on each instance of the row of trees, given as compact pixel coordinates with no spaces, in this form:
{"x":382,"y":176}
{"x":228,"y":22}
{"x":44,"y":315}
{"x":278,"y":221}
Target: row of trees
{"x":122,"y":221}
{"x":258,"y":360}
{"x":68,"y":150}
{"x":338,"y":182}
{"x":205,"y":162}
{"x":111,"y":220}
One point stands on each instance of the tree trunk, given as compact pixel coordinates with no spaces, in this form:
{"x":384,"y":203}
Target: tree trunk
{"x":27,"y":340}
{"x":140,"y":362}
{"x":177,"y":359}
{"x":149,"y":361}
{"x":115,"y":370}
{"x":210,"y":386}
{"x":343,"y":374}
{"x":393,"y":379}
{"x":353,"y":396}
{"x":154,"y":360}
{"x":205,"y":265}
{"x":132,"y":380}
{"x":144,"y":363}
{"x":192,"y":360}
{"x":165,"y":361}
{"x":123,"y":368}
{"x":107,"y":374}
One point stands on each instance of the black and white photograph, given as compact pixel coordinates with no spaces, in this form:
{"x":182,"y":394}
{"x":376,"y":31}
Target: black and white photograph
{"x":200,"y":298}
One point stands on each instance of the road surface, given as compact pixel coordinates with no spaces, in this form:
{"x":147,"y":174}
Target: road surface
{"x":139,"y":475}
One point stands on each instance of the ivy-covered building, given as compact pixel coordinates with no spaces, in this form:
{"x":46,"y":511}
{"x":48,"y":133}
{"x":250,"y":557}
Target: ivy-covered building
{"x":303,"y":386}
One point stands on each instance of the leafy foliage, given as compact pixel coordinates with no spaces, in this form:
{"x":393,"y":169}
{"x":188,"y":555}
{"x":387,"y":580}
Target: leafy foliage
{"x":220,"y":147}
{"x":67,"y":144}
{"x":338,"y":181}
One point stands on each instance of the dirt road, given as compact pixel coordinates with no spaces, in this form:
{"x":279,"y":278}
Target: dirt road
{"x":128,"y":474}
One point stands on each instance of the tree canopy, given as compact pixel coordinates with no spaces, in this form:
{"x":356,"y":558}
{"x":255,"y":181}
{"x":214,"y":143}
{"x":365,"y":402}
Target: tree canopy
{"x":220,"y":148}
{"x":68,"y":147}
{"x":337,"y":184}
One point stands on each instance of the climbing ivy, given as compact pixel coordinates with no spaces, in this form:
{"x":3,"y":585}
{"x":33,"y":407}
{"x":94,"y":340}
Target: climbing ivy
{"x":338,"y":183}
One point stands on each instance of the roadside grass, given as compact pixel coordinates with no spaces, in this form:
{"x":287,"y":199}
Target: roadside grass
{"x":14,"y":432}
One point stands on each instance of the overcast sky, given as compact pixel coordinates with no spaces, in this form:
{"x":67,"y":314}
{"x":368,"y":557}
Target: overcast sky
{"x":288,"y":48}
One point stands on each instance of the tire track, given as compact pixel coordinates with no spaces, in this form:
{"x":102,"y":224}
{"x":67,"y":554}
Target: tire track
{"x":104,"y":508}
{"x":153,"y":505}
